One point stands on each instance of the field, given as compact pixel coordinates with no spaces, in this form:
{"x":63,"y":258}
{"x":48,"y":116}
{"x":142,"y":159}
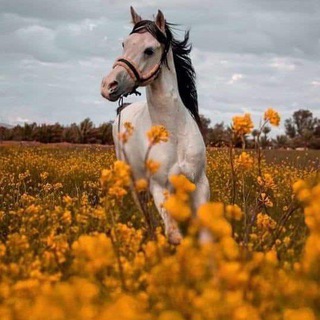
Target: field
{"x":73,"y":245}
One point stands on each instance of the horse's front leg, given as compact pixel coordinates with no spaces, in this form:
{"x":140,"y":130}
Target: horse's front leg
{"x":200,"y":196}
{"x":202,"y":193}
{"x":171,"y":227}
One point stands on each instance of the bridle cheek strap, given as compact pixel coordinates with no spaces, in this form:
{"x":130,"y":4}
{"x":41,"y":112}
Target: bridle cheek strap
{"x":134,"y":72}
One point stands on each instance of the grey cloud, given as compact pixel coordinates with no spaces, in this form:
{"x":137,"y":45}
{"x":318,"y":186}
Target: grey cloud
{"x":248,"y":55}
{"x":283,"y":83}
{"x":58,"y":10}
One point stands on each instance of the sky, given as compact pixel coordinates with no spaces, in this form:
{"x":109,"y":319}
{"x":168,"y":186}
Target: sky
{"x":248,"y":55}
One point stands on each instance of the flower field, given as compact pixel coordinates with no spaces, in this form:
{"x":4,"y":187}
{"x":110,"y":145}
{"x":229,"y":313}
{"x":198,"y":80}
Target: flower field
{"x":73,"y":244}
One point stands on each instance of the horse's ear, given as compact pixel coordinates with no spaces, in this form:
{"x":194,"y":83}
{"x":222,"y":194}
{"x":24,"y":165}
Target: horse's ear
{"x":135,"y":17}
{"x":160,"y":21}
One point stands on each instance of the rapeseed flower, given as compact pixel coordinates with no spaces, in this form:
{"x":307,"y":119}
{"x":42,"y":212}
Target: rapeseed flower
{"x":244,"y":161}
{"x":152,"y":166}
{"x":242,"y":125}
{"x":272,"y":116}
{"x":157,"y":134}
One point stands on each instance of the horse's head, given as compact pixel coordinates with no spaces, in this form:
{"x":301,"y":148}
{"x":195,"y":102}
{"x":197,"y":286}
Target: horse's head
{"x":144,"y":51}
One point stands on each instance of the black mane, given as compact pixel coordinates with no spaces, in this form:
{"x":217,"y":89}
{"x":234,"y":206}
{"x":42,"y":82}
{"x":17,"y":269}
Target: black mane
{"x":185,"y":72}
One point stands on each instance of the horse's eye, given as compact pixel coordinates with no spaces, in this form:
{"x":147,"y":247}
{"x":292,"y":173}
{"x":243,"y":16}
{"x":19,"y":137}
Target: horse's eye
{"x":122,"y":44}
{"x":149,"y":52}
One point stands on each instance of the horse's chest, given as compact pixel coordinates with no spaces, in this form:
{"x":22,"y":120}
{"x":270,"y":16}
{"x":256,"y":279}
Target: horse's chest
{"x":191,"y":159}
{"x":164,"y":154}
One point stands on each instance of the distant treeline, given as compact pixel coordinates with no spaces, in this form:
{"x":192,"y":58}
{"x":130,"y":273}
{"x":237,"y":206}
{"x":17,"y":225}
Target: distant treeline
{"x":302,"y":130}
{"x":84,"y":132}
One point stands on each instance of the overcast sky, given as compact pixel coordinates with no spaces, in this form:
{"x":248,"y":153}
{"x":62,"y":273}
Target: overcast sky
{"x":248,"y":55}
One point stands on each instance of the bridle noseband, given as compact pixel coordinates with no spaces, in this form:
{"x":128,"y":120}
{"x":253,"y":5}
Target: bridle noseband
{"x":136,"y":74}
{"x":132,"y":69}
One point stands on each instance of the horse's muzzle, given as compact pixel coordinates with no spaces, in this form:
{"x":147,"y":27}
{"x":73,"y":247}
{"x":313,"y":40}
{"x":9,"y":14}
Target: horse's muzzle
{"x":110,"y":90}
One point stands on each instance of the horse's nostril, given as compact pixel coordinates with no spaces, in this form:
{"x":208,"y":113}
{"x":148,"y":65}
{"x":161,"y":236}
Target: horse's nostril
{"x":112,"y":87}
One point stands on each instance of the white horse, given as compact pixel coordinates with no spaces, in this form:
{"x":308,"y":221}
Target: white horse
{"x":153,"y":58}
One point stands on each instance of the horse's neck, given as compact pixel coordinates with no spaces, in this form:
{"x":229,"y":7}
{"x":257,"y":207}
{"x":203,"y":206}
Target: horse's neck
{"x":164,"y":102}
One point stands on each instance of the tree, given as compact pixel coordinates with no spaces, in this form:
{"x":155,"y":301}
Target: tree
{"x":105,"y":133}
{"x":70,"y":133}
{"x":281,"y":141}
{"x":218,"y":135}
{"x":28,"y":131}
{"x":290,"y":128}
{"x":57,"y":132}
{"x":84,"y":129}
{"x":302,"y":128}
{"x":205,"y":127}
{"x":301,"y":120}
{"x":264,"y":139}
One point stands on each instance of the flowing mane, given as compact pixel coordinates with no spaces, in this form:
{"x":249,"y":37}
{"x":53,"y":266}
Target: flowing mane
{"x":185,"y":72}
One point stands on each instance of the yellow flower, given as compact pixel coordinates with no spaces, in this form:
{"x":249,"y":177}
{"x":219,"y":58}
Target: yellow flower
{"x":67,"y":200}
{"x":157,"y":134}
{"x":211,"y":217}
{"x":242,"y":124}
{"x":182,"y":184}
{"x":116,"y":179}
{"x":298,"y":314}
{"x":178,"y":204}
{"x":106,"y":175}
{"x":177,"y":208}
{"x":267,"y":181}
{"x":244,"y":161}
{"x":170,"y":315}
{"x":141,"y":185}
{"x":286,"y":241}
{"x":117,"y":192}
{"x":125,"y":135}
{"x":245,"y":312}
{"x":122,"y":172}
{"x":67,"y":217}
{"x":92,"y":253}
{"x":230,"y":248}
{"x":152,"y":166}
{"x":234,"y":212}
{"x":264,"y":222}
{"x":129,"y":127}
{"x":271,"y":257}
{"x":299,"y":185}
{"x":272,"y":116}
{"x":44,"y":175}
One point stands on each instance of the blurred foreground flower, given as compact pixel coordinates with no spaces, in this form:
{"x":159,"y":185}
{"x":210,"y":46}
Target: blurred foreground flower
{"x":141,"y":185}
{"x":152,"y":166}
{"x":116,"y":179}
{"x":234,"y":212}
{"x":127,"y":133}
{"x":177,"y":204}
{"x":157,"y":134}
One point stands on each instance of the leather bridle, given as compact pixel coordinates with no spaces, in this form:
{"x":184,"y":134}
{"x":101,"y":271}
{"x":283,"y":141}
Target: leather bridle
{"x":133,"y":70}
